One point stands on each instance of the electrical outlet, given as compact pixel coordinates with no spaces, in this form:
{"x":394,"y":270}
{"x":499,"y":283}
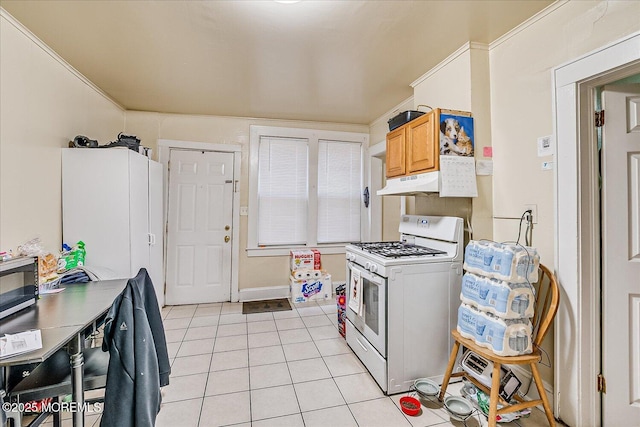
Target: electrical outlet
{"x":244,"y":211}
{"x":534,"y":212}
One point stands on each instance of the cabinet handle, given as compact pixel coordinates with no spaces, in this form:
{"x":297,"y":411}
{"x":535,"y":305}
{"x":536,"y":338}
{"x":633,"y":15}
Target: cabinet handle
{"x":152,"y":239}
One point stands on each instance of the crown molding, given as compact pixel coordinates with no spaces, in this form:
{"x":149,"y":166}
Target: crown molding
{"x":524,"y":25}
{"x":461,"y":50}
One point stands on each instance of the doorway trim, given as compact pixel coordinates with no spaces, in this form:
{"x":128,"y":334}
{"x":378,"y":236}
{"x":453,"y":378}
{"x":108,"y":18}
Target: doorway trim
{"x":164,"y":154}
{"x":577,"y":253}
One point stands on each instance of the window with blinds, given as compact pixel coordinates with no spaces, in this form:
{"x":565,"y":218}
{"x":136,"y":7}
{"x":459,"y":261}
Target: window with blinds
{"x":283,"y":191}
{"x":305,"y":189}
{"x":339,"y":188}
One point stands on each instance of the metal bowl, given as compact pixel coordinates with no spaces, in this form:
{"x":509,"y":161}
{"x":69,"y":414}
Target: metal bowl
{"x":426,"y":387}
{"x":458,"y":407}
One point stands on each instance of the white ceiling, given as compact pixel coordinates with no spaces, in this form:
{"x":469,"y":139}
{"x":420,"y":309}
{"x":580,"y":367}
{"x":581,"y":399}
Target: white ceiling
{"x":337,"y":61}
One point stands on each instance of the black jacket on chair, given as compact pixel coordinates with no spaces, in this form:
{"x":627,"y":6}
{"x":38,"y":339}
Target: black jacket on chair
{"x":139,"y":362}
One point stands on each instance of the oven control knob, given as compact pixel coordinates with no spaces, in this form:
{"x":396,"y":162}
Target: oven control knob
{"x":367,"y":265}
{"x":373,"y":268}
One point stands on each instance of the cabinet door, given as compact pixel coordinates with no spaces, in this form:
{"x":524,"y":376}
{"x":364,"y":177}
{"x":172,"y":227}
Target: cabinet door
{"x":156,"y":228}
{"x":422,"y":150}
{"x":96,"y":205}
{"x":396,"y":153}
{"x":138,"y":212}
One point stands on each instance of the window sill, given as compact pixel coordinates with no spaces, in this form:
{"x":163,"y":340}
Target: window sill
{"x":280,"y":251}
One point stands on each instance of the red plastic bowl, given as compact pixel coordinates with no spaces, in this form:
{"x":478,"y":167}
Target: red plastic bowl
{"x":410,"y":405}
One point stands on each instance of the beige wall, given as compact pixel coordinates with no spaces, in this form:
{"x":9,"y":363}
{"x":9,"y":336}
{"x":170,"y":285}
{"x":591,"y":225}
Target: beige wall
{"x":254,"y":271}
{"x":521,"y":102}
{"x":521,"y":110}
{"x":390,"y":204}
{"x":43,"y":105}
{"x":461,"y":82}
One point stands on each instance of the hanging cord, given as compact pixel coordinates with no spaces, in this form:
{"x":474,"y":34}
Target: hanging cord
{"x":548,"y":365}
{"x":528,"y":236}
{"x":469,"y":228}
{"x":528,"y":211}
{"x":423,"y":105}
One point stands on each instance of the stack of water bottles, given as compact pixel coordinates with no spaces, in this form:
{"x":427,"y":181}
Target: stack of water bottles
{"x":498,"y":297}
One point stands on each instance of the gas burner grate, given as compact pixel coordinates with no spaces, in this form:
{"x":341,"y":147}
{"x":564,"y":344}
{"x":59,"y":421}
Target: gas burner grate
{"x":397,"y":249}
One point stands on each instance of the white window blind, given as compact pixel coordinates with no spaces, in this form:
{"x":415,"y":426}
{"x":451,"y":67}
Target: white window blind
{"x":283,"y":193}
{"x":339,"y":188}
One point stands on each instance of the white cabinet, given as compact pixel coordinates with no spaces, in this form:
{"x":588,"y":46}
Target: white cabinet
{"x":112,"y":201}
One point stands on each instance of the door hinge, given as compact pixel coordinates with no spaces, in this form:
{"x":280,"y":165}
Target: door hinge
{"x":602,"y":384}
{"x":599,"y":118}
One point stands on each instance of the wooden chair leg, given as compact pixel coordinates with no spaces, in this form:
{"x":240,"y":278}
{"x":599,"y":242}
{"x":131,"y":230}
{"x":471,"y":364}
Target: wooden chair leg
{"x":543,"y":394}
{"x":447,"y":374}
{"x":495,"y":389}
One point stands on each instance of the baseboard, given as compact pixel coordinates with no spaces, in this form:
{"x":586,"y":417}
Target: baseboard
{"x":271,"y":292}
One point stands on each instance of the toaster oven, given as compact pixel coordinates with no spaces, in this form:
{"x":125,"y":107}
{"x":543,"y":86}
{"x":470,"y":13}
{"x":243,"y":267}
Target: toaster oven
{"x":18,"y":284}
{"x":481,"y":369}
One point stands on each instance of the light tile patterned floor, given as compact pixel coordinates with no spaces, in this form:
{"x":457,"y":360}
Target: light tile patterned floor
{"x":288,"y":368}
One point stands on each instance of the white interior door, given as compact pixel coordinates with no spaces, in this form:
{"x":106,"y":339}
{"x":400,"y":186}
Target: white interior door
{"x":199,"y":227}
{"x":621,"y":256}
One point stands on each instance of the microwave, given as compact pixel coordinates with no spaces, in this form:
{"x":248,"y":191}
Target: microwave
{"x":18,"y":284}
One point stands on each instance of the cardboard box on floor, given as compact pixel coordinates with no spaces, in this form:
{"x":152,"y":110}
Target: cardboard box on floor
{"x":305,"y":260}
{"x":312,"y":289}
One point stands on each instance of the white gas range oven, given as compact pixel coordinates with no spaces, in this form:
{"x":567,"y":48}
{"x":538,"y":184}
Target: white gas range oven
{"x":403,"y":299}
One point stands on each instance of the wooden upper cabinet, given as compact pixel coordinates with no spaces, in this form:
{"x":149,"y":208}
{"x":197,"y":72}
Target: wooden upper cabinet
{"x":422,"y":144}
{"x":396,"y":163}
{"x":413,"y":147}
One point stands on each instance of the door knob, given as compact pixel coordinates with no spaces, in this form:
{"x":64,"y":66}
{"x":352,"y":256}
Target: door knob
{"x":227,"y":238}
{"x":226,"y":227}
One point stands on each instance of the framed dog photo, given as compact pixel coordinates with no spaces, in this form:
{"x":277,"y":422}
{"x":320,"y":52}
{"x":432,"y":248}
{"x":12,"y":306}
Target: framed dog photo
{"x":456,"y":134}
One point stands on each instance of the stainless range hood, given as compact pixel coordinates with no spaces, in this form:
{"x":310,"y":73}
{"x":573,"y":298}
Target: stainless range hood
{"x":412,"y":185}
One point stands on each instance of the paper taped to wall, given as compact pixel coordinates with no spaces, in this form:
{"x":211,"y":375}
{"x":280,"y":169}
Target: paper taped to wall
{"x":458,"y":177}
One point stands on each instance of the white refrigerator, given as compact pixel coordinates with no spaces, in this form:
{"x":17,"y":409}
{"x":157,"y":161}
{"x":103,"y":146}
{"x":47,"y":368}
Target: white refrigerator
{"x":112,"y":201}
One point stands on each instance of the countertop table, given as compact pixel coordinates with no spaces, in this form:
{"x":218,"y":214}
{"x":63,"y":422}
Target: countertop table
{"x":63,"y":319}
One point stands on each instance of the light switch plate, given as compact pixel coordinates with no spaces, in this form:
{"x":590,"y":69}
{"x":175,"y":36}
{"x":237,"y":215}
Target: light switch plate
{"x":244,"y":211}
